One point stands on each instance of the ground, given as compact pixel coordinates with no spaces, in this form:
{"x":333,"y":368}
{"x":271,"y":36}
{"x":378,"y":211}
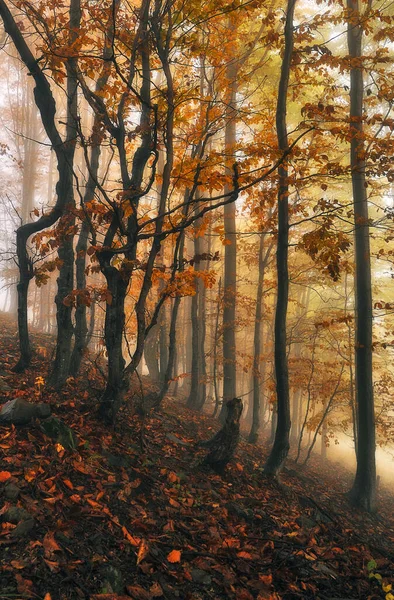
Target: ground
{"x":131,"y":513}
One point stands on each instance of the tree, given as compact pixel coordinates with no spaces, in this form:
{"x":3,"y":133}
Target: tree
{"x":281,"y":444}
{"x":363,"y":492}
{"x":64,"y":189}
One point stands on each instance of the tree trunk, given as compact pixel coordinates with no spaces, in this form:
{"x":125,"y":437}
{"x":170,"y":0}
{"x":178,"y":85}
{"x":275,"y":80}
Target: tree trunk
{"x":363,"y":492}
{"x":65,"y":282}
{"x":258,"y":334}
{"x":151,"y":353}
{"x":230,"y":248}
{"x":281,"y":445}
{"x":113,"y":335}
{"x":81,"y":327}
{"x":223,"y":445}
{"x":197,"y":395}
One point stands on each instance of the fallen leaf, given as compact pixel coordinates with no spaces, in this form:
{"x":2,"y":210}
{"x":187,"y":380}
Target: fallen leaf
{"x":134,"y":541}
{"x":156,"y":590}
{"x":50,"y":545}
{"x":244,"y":555}
{"x":143,"y":551}
{"x":4,"y":475}
{"x":24,"y":586}
{"x":53,"y":565}
{"x":30,"y":475}
{"x":137,"y":592}
{"x":174,"y":556}
{"x":18,"y":564}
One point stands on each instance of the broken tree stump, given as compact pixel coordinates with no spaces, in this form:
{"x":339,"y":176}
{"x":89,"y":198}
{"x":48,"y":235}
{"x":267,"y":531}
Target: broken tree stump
{"x":223,"y":444}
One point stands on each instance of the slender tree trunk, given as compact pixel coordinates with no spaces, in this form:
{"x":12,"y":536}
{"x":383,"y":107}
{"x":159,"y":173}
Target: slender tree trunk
{"x":363,"y":492}
{"x":258,"y":334}
{"x":281,"y":445}
{"x":151,"y":353}
{"x":309,"y":399}
{"x":230,"y":249}
{"x":215,"y":352}
{"x":326,"y":410}
{"x":197,"y":394}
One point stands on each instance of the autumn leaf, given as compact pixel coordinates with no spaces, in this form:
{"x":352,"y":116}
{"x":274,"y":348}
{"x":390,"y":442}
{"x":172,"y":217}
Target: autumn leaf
{"x":156,"y":591}
{"x":18,"y":564}
{"x":174,"y":556}
{"x":244,"y":555}
{"x":50,"y":545}
{"x":24,"y":586}
{"x":137,"y":592}
{"x":143,"y":551}
{"x":4,"y":476}
{"x":134,"y":541}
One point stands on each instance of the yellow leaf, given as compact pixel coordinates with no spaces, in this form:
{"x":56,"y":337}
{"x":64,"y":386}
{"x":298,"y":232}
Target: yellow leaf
{"x":174,"y":556}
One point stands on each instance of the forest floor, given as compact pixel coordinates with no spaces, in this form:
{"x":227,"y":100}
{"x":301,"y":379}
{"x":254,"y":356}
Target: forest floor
{"x":132,"y":514}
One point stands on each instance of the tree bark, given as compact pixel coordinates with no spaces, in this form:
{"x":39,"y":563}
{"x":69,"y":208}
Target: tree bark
{"x":197,"y":395}
{"x":230,"y":248}
{"x":65,"y":282}
{"x":223,"y":445}
{"x":363,"y":492}
{"x":281,"y":445}
{"x":258,"y":335}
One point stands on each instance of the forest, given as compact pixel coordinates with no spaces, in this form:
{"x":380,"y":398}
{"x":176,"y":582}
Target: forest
{"x":196,"y":299}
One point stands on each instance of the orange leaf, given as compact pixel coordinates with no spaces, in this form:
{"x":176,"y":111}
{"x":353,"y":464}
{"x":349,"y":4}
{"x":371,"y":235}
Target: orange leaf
{"x":130,"y":538}
{"x":266,"y":579}
{"x":68,"y":483}
{"x":47,"y":596}
{"x":244,"y":555}
{"x":30,"y":475}
{"x":24,"y":586}
{"x":4,"y":475}
{"x":143,"y":551}
{"x":174,"y":503}
{"x":18,"y":564}
{"x":174,"y":556}
{"x":53,"y":565}
{"x":231,"y":543}
{"x":172,"y":477}
{"x":50,"y":545}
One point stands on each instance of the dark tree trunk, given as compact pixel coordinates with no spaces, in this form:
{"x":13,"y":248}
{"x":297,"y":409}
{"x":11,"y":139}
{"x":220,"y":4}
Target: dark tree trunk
{"x":81,"y":337}
{"x":223,"y":445}
{"x":47,"y":107}
{"x":65,"y":282}
{"x":197,"y":395}
{"x":25,"y":276}
{"x":281,"y":445}
{"x":230,"y":252}
{"x":363,"y":492}
{"x":113,"y":335}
